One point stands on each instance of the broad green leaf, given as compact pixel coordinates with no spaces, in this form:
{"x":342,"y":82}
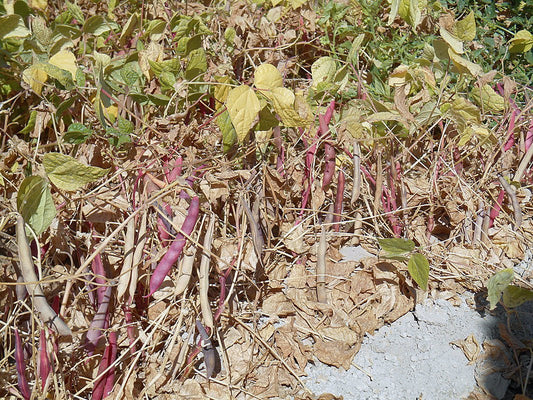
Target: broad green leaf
{"x":488,"y":98}
{"x":75,"y":12}
{"x":323,"y":70}
{"x":117,"y":138}
{"x":156,"y":28}
{"x":125,"y":126}
{"x":466,"y":28}
{"x":243,"y":105}
{"x":41,"y":32}
{"x":77,"y":133}
{"x":129,"y":74}
{"x":36,"y":77}
{"x":130,"y":26}
{"x":65,"y":60}
{"x":197,"y":64}
{"x":454,"y":42}
{"x":497,"y":284}
{"x":267,"y":77}
{"x":356,"y":46}
{"x":293,"y":113}
{"x":63,"y":76}
{"x":98,"y":25}
{"x":35,"y":204}
{"x":12,"y":26}
{"x":396,"y":246}
{"x":514,"y":296}
{"x":463,"y":65}
{"x":522,"y":42}
{"x":69,"y":174}
{"x":418,"y":267}
{"x":441,"y":50}
{"x":229,"y":136}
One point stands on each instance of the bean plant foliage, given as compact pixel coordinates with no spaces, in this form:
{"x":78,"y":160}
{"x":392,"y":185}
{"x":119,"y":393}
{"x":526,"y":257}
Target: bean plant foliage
{"x":178,"y":178}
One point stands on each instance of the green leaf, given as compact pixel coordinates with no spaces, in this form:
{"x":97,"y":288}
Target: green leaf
{"x":12,"y":26}
{"x":130,"y":26}
{"x":197,"y":64}
{"x":125,"y":126}
{"x":117,"y":138}
{"x":267,"y":77}
{"x":229,"y":136}
{"x":243,"y":106}
{"x":75,"y":12}
{"x":514,"y":296}
{"x":77,"y":133}
{"x":394,"y":247}
{"x":98,"y":25}
{"x":69,"y":174}
{"x":35,"y":204}
{"x":418,"y":267}
{"x":129,"y":73}
{"x":488,"y":98}
{"x":466,"y":28}
{"x":497,"y":284}
{"x":156,"y":28}
{"x":356,"y":46}
{"x":522,"y":42}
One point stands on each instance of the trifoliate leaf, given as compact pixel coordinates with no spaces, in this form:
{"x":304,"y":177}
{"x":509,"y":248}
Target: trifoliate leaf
{"x":69,"y":174}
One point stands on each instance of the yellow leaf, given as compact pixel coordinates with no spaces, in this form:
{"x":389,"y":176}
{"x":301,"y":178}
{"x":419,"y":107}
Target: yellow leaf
{"x":286,"y":107}
{"x":463,"y":65}
{"x":66,"y":60}
{"x":522,"y":42}
{"x":35,"y":77}
{"x":221,"y":91}
{"x":243,"y":106}
{"x":323,"y":70}
{"x":466,"y":28}
{"x":39,"y":4}
{"x":154,"y":53}
{"x":398,"y":76}
{"x":454,"y":42}
{"x":267,"y":77}
{"x":488,"y":98}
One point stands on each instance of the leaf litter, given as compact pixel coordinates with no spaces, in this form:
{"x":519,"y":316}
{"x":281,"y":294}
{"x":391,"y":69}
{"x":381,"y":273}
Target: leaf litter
{"x":259,"y":287}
